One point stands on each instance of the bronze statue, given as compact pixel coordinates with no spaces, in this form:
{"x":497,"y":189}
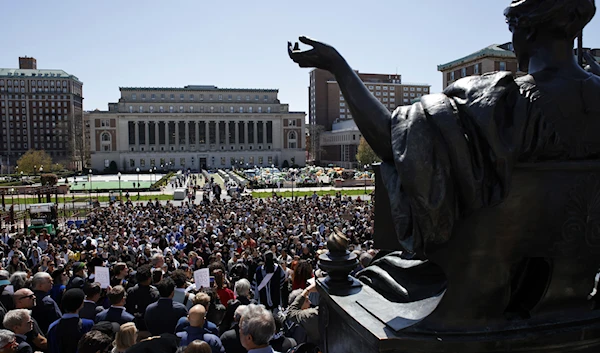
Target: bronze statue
{"x":494,"y":185}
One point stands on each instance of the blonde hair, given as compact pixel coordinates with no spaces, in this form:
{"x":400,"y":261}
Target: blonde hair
{"x":202,"y":299}
{"x":126,"y":337}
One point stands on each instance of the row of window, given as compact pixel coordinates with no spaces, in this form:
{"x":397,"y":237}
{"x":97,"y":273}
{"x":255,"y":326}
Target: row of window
{"x":46,"y":83}
{"x":192,"y":109}
{"x":406,"y":89}
{"x":192,"y":97}
{"x":35,"y":104}
{"x":25,"y":146}
{"x":163,"y":163}
{"x":41,"y":96}
{"x":34,"y":90}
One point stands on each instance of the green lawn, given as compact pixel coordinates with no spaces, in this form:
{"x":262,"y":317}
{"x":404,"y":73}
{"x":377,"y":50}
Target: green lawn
{"x":110,"y":185}
{"x":84,"y":198}
{"x":263,"y":194}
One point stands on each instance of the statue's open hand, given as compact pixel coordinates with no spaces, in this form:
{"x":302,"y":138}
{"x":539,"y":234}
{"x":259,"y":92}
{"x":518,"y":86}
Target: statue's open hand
{"x":592,"y":64}
{"x":321,"y":56}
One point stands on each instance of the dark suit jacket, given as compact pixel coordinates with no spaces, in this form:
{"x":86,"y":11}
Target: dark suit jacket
{"x":231,"y":340}
{"x":45,"y":311}
{"x":162,"y":316}
{"x":24,"y":347}
{"x":112,"y":314}
{"x":89,"y":311}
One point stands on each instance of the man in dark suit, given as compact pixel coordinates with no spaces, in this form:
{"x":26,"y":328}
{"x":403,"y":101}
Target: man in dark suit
{"x":65,"y":333}
{"x":162,"y":316}
{"x":9,"y":342}
{"x":231,"y":338}
{"x":196,"y":331}
{"x":141,"y":295}
{"x":20,"y":322}
{"x":116,"y":312}
{"x":46,"y":310}
{"x":90,"y":308}
{"x":25,"y":299}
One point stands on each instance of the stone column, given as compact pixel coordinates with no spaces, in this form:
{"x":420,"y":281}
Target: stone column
{"x":137,"y":135}
{"x":187,"y":135}
{"x":167,"y":135}
{"x":255,"y":132}
{"x":177,"y":135}
{"x":207,"y":134}
{"x":156,"y":138}
{"x":245,"y":131}
{"x":237,"y":134}
{"x":264,"y":125}
{"x":217,"y":141}
{"x":197,"y":134}
{"x":147,"y":133}
{"x":227,"y":135}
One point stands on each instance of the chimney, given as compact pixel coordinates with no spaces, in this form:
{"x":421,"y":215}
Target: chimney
{"x":27,"y":63}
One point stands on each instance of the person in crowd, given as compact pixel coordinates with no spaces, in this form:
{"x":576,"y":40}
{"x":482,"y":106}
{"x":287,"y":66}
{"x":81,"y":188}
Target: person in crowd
{"x":116,"y":312}
{"x":94,"y":342}
{"x":121,"y":273}
{"x":141,"y":295}
{"x":198,"y":347}
{"x":92,"y":292}
{"x":280,"y":342}
{"x":19,"y":321}
{"x":269,"y":279}
{"x":204,"y":300}
{"x":181,"y":296}
{"x":46,"y":310}
{"x":196,"y":331}
{"x":5,"y":302}
{"x":243,"y":297}
{"x":25,"y":299}
{"x":302,"y":273}
{"x":16,"y":264}
{"x":60,"y":278}
{"x":19,"y":280}
{"x":257,"y":328}
{"x":79,"y":276}
{"x":162,"y":316}
{"x":231,"y":338}
{"x":8,"y":341}
{"x":125,"y":338}
{"x":301,"y":313}
{"x":64,"y":334}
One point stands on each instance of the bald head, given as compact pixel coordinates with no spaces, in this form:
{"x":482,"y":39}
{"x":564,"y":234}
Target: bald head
{"x":24,"y":299}
{"x":197,"y":315}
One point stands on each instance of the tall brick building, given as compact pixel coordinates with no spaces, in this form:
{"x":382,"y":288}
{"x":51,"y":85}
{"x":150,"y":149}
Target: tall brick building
{"x":328,"y":109}
{"x":40,"y":109}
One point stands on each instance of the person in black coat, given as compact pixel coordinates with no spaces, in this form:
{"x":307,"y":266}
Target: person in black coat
{"x":162,"y":316}
{"x":116,"y":312}
{"x":141,"y":295}
{"x":231,"y":338}
{"x":46,"y":310}
{"x":90,"y":304}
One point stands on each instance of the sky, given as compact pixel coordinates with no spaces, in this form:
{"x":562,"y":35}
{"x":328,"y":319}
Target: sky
{"x":109,"y":44}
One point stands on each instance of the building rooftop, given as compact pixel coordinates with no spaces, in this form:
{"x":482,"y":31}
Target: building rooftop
{"x":196,"y":88}
{"x":45,"y":73}
{"x":498,"y":50}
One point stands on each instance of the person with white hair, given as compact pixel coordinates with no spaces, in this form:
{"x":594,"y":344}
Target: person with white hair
{"x":231,"y":338}
{"x":257,"y":328}
{"x":8,"y":342}
{"x":20,"y":322}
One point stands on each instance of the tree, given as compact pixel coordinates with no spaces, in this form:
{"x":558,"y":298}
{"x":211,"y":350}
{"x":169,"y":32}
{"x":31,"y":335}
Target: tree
{"x":365,"y":154}
{"x":33,"y":160}
{"x":314,"y":147}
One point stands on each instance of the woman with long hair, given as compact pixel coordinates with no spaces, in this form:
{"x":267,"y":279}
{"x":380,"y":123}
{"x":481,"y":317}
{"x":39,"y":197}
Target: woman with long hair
{"x":302,"y":273}
{"x":125,"y":338}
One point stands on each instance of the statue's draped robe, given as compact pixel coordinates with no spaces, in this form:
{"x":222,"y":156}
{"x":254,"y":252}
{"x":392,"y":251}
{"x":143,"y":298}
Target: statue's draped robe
{"x":454,"y":152}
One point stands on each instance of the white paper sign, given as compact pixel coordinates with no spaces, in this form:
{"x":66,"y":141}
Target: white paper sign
{"x":102,"y":276}
{"x":202,"y":278}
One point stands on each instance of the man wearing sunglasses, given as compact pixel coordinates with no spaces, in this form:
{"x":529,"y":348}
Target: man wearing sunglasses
{"x":25,"y":299}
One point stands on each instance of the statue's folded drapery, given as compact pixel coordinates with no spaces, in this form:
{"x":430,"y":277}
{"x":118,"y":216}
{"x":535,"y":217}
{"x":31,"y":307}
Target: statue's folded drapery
{"x":454,"y":153}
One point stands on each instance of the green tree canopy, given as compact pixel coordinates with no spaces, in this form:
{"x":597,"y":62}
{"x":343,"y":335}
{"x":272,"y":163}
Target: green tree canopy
{"x":365,"y":154}
{"x":33,"y":160}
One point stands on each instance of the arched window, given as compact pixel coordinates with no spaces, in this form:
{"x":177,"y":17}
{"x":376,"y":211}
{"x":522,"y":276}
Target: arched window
{"x":105,"y":142}
{"x":292,"y":140}
{"x":105,"y":137}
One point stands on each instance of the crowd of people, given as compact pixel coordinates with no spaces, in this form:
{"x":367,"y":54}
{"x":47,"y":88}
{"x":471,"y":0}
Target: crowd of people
{"x":261,"y":255}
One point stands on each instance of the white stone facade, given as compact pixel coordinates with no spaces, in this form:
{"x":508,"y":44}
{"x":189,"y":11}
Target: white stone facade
{"x":196,"y":127}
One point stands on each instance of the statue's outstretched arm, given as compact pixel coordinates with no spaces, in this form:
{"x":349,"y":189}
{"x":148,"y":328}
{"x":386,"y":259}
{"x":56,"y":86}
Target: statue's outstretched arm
{"x":372,"y":118}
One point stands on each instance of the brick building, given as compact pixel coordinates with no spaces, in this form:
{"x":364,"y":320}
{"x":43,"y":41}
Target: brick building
{"x":328,"y":109}
{"x":40,"y":109}
{"x":196,"y":127}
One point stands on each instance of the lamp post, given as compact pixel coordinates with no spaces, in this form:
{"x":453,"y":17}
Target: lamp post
{"x":91,"y":188}
{"x":365,"y":176}
{"x":293,"y":179}
{"x":120,"y":192}
{"x":138,"y":182}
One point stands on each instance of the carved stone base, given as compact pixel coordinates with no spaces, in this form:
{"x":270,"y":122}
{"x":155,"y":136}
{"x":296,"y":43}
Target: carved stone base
{"x":366,"y":322}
